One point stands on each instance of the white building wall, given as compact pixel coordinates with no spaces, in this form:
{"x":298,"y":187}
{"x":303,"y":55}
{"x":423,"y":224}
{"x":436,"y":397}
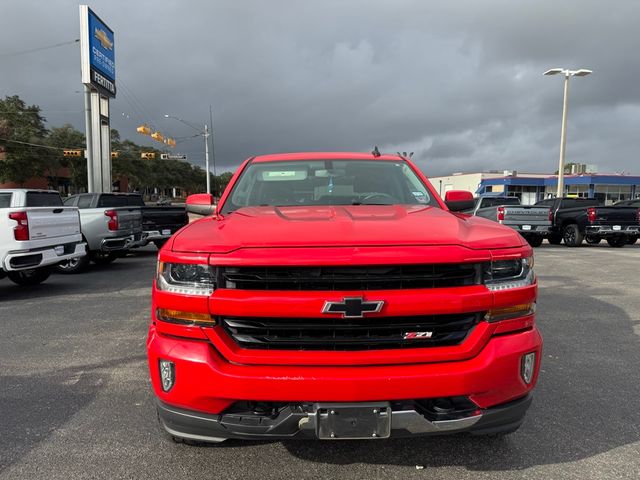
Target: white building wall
{"x":463,"y":181}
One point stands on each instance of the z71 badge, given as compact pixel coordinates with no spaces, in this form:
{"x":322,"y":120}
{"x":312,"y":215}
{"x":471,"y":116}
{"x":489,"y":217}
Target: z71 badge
{"x":417,"y":335}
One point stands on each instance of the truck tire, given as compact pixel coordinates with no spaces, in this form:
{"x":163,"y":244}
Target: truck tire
{"x":617,"y":241}
{"x":554,"y":239}
{"x":631,"y":239}
{"x":27,"y":278}
{"x":593,"y":239}
{"x":103,"y":258}
{"x":572,"y":236}
{"x":534,"y":240}
{"x":75,"y":265}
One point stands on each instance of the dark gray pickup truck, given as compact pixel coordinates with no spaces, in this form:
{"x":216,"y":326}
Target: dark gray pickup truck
{"x":577,"y":219}
{"x":531,"y":222}
{"x":159,"y":222}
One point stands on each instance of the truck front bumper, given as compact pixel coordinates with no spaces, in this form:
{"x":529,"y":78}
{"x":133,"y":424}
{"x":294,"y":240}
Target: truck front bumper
{"x":42,"y":257}
{"x":206,"y":388}
{"x":304,"y":421}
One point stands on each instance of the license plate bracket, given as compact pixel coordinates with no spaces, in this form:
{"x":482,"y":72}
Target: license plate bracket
{"x":617,"y":228}
{"x":526,"y":227}
{"x":339,"y":421}
{"x":166,"y":231}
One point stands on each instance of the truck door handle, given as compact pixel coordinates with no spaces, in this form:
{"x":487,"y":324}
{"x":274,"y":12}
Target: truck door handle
{"x":58,"y":210}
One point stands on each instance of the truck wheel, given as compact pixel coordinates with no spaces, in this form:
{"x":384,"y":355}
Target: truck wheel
{"x":75,"y":265}
{"x":572,"y":236}
{"x":631,"y":239}
{"x":159,"y":243}
{"x":593,"y":239}
{"x":617,"y":241}
{"x":554,"y":239}
{"x":534,"y":240}
{"x":27,"y":278}
{"x":103,"y":258}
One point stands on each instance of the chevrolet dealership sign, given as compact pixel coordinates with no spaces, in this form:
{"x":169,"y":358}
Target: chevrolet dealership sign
{"x":97,"y":47}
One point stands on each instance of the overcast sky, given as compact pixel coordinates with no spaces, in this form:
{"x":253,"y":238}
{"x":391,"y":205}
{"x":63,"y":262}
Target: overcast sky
{"x":458,"y":82}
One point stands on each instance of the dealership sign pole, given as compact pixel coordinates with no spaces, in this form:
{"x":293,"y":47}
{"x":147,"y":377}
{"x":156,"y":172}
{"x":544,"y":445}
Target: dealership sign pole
{"x":97,"y":56}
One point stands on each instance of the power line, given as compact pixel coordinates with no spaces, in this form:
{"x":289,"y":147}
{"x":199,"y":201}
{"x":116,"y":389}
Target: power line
{"x":38,"y":49}
{"x":39,"y":145}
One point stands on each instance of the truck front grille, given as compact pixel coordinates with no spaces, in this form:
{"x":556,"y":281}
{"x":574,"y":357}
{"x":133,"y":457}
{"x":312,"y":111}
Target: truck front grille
{"x":339,"y":334}
{"x":385,"y":277}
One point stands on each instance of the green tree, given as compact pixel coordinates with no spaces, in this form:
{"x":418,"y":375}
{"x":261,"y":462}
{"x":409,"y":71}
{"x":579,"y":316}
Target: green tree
{"x":60,"y":138}
{"x":21,"y":125}
{"x":219,"y":183}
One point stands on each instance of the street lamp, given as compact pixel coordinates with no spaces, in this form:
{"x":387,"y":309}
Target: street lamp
{"x":205,"y":134}
{"x":563,"y":133}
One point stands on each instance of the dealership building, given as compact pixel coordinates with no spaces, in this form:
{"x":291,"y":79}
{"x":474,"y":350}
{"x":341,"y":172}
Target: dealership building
{"x":532,"y":187}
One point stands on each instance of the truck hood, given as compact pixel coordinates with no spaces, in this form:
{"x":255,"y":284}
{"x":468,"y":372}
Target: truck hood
{"x":342,"y":226}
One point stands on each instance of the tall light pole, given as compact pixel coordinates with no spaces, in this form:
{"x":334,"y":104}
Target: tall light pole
{"x":563,"y":132}
{"x":205,"y":134}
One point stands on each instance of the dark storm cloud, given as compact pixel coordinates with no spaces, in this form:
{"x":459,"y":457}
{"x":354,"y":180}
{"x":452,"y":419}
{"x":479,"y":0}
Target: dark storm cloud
{"x":459,"y":83}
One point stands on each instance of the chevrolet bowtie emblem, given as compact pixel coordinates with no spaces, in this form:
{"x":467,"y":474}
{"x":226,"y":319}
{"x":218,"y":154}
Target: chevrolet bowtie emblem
{"x":103,"y":38}
{"x":353,"y":307}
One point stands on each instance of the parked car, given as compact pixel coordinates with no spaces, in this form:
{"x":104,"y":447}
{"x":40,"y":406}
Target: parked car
{"x":577,"y":219}
{"x":109,"y":227}
{"x":36,"y":232}
{"x":336,"y":296}
{"x":531,"y":222}
{"x":160,"y":221}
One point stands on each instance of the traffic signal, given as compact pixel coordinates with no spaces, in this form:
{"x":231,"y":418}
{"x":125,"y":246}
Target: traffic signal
{"x":148,"y":155}
{"x":171,"y":142}
{"x":72,"y":153}
{"x":143,"y":130}
{"x":157,"y":136}
{"x":114,"y":154}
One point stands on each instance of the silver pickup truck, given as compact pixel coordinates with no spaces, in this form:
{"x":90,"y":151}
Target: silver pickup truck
{"x":36,"y":232}
{"x":108,"y":225}
{"x":533,"y":223}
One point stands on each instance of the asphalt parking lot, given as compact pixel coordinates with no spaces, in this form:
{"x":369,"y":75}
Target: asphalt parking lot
{"x":75,"y":401}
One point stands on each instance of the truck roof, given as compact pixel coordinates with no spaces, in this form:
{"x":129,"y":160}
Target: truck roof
{"x":278,"y":157}
{"x":15,"y":190}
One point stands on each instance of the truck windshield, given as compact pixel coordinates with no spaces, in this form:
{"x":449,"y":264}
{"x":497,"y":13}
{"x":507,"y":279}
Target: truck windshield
{"x":328,"y":182}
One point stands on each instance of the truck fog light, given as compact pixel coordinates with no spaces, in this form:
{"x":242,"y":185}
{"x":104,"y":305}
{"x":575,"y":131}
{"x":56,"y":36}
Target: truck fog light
{"x":528,"y":366}
{"x":167,"y":374}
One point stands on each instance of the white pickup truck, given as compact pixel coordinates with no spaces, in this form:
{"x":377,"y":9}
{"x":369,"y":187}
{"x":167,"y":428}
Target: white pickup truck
{"x":36,"y":232}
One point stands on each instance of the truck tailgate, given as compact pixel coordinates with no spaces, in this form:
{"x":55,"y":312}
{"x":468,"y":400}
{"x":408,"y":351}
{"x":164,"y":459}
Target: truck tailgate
{"x":617,"y":215}
{"x":52,"y":222}
{"x":129,"y":219}
{"x":157,"y":218}
{"x":526,"y":214}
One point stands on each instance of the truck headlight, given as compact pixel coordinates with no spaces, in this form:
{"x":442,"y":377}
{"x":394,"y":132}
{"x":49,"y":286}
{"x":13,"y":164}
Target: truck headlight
{"x":186,"y":278}
{"x":506,"y":274}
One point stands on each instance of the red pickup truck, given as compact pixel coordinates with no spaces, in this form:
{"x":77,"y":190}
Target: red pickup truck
{"x":336,"y":296}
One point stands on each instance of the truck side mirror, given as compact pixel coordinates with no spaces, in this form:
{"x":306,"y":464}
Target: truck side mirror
{"x":458,"y":200}
{"x":201,"y":204}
